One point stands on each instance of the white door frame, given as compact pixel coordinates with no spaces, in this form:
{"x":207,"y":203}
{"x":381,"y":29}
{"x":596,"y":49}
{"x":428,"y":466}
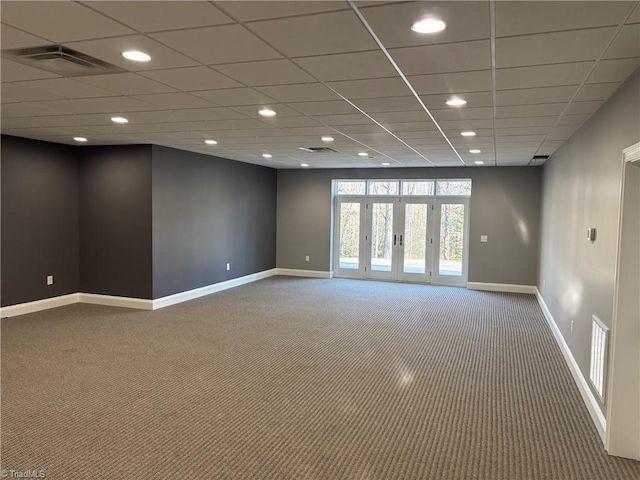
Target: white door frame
{"x":622,"y":436}
{"x":416,"y":277}
{"x":349,"y":272}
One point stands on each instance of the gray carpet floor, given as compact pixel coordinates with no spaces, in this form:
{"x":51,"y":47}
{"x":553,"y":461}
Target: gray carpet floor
{"x":298,"y":379}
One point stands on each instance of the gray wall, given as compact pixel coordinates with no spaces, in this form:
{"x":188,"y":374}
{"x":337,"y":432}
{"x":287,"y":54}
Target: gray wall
{"x":581,"y":189}
{"x":39,"y":220}
{"x":505,"y":205}
{"x":116,"y":221}
{"x":208,"y":212}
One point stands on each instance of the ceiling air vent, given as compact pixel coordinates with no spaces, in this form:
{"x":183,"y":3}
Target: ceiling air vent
{"x":61,"y":60}
{"x":538,"y":160}
{"x":317,"y":149}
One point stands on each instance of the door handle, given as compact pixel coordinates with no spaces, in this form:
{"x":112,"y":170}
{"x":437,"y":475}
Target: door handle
{"x":394,"y":239}
{"x":400,"y":240}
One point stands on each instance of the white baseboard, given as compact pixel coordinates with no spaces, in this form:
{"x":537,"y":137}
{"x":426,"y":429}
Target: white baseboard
{"x":38,"y":305}
{"x":209,"y":289}
{"x":113,"y":301}
{"x":502,"y":287}
{"x":587,"y":396}
{"x":293,"y":272}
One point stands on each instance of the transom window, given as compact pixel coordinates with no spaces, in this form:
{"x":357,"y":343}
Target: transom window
{"x":424,"y":188}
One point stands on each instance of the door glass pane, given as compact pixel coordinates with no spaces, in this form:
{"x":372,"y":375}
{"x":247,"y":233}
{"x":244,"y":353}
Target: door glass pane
{"x":418,"y":187}
{"x":381,"y":236}
{"x":451,"y":239}
{"x":350,"y":235}
{"x":415,"y":238}
{"x":384,"y":187}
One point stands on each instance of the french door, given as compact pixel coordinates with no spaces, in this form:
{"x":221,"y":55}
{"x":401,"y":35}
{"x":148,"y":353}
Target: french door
{"x":415,"y":239}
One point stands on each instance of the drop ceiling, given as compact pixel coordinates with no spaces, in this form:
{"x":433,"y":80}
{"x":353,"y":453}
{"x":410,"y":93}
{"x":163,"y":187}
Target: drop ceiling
{"x":532,"y":73}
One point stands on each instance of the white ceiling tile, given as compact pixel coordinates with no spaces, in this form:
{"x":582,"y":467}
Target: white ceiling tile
{"x":240,"y":45}
{"x":67,"y":87}
{"x":349,"y":119}
{"x":542,"y":110}
{"x":215,"y":113}
{"x":401,"y":117}
{"x":348,"y":66}
{"x":410,"y":127}
{"x":299,"y":93}
{"x":260,"y":10}
{"x":319,"y":34}
{"x":596,"y":91}
{"x":192,"y":78}
{"x":126,"y":84}
{"x":527,"y":122}
{"x":175,"y":100}
{"x":473,"y":99}
{"x":562,"y":132}
{"x":613,"y":70}
{"x":465,"y":21}
{"x":452,"y":82}
{"x":557,"y":47}
{"x":15,"y":72}
{"x":520,"y":18}
{"x":335,"y":107}
{"x":268,"y":72}
{"x":540,"y":130}
{"x":252,"y":110}
{"x":234,"y":125}
{"x":108,"y":105}
{"x":450,"y":57}
{"x":463,"y":113}
{"x":60,"y":21}
{"x":234,"y":97}
{"x":288,"y":122}
{"x":16,"y":93}
{"x":577,"y":108}
{"x":504,"y":139}
{"x":110,"y":50}
{"x":542,"y":75}
{"x":152,"y":16}
{"x":529,"y":96}
{"x":14,"y":38}
{"x":635,"y":15}
{"x":28,"y":110}
{"x":548,"y":147}
{"x":626,"y":44}
{"x":388,"y":104}
{"x":375,"y":87}
{"x":471,"y":124}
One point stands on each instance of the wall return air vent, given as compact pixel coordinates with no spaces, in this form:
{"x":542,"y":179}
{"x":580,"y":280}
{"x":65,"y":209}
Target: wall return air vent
{"x":61,"y":60}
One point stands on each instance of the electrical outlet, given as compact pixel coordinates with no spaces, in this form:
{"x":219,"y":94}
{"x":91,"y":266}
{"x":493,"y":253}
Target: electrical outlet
{"x":228,"y":266}
{"x":306,"y":259}
{"x":484,"y":238}
{"x":571,"y":326}
{"x":49,"y":279}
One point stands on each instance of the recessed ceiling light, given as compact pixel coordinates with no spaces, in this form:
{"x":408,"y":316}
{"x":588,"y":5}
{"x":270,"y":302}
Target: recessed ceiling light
{"x":327,"y":139}
{"x":475,"y":150}
{"x":386,"y":164}
{"x":429,"y":25}
{"x":136,"y":56}
{"x":479,"y":162}
{"x":266,"y":155}
{"x":304,"y":165}
{"x":468,"y":134}
{"x":267,"y":112}
{"x":80,"y":139}
{"x":456,"y":102}
{"x":363,"y":154}
{"x":210,"y":142}
{"x":119,"y":120}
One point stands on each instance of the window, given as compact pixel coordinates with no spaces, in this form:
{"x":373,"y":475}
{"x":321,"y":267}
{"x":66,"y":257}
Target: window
{"x":350,"y":187}
{"x":418,"y":187}
{"x":383,"y":187}
{"x":461,"y":188}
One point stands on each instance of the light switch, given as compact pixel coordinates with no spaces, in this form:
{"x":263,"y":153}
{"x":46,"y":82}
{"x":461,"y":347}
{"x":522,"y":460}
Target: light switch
{"x":484,"y":238}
